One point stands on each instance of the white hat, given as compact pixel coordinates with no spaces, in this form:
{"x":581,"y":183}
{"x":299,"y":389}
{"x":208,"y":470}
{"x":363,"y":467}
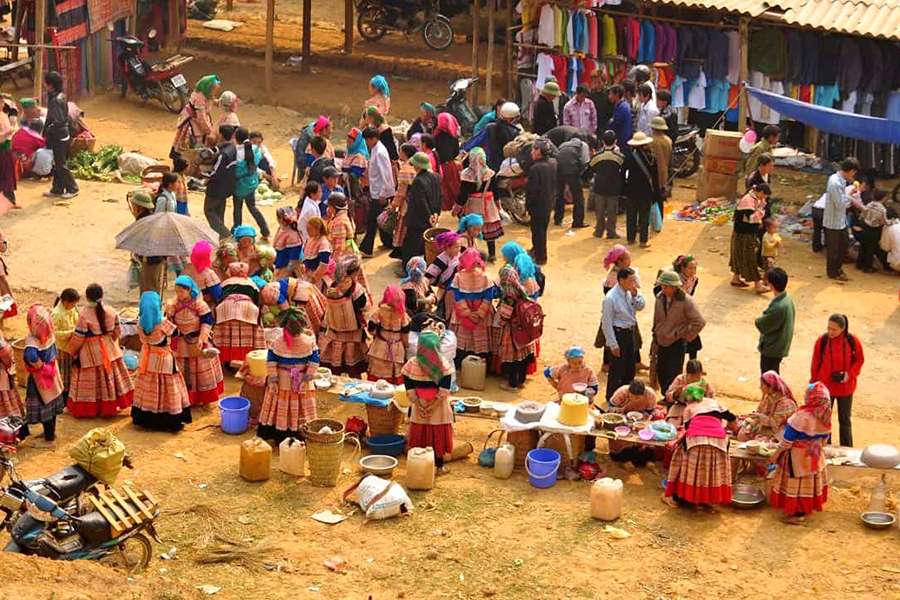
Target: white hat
{"x":509,"y":110}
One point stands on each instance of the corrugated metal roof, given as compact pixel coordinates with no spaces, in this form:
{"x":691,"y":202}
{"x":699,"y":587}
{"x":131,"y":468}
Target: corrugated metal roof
{"x":871,"y":18}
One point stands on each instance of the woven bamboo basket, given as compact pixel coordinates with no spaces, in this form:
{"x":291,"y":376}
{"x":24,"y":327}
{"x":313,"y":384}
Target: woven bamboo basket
{"x":430,"y":237}
{"x":523,"y":441}
{"x":383,"y":421}
{"x":18,"y":347}
{"x":324,"y":460}
{"x":311,"y":431}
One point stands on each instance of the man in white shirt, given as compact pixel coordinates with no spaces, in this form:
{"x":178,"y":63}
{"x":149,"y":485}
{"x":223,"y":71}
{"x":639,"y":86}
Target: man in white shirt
{"x":309,"y":209}
{"x":382,"y":188}
{"x":834,"y":219}
{"x":648,"y":109}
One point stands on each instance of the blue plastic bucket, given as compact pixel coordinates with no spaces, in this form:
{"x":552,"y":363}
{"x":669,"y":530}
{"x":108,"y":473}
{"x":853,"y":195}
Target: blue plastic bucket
{"x":235,"y":414}
{"x":542,"y":466}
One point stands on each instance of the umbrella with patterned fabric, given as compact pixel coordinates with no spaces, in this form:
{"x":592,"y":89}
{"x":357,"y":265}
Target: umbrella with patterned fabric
{"x":164,"y":234}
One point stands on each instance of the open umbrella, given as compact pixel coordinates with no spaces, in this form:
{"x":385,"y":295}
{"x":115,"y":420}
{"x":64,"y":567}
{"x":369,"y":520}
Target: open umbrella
{"x":164,"y":234}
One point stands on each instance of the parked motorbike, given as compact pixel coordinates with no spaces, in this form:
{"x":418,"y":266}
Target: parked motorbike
{"x":686,"y":151}
{"x":457,"y":104}
{"x":375,"y":19}
{"x":48,"y":517}
{"x":162,"y":81}
{"x":511,"y":183}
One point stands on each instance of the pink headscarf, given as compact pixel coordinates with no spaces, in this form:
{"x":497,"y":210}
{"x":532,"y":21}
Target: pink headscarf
{"x":774,"y":381}
{"x":814,"y":417}
{"x":394,"y":297}
{"x":321,"y":123}
{"x":447,"y":239}
{"x":201,"y":255}
{"x":471,"y":259}
{"x":614,"y":254}
{"x":447,"y":123}
{"x":39,"y":323}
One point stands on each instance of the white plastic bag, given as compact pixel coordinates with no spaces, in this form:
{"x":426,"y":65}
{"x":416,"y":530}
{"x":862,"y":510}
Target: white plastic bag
{"x":393,"y":501}
{"x":134,"y":163}
{"x":43,"y":162}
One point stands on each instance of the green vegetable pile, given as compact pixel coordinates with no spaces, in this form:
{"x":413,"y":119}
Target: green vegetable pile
{"x":95,"y":166}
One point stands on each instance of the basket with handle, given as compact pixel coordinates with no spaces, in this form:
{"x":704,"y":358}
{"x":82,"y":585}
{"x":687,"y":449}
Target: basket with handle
{"x":486,"y":456}
{"x":431,"y":247}
{"x":312,"y":428}
{"x":152,"y":176}
{"x":383,"y":421}
{"x":325,"y":459}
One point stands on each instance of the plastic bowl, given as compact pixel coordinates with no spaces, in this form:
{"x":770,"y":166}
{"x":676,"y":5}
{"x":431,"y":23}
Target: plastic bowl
{"x":390,"y":444}
{"x":634,"y":415}
{"x":622,"y":430}
{"x":646,"y":434}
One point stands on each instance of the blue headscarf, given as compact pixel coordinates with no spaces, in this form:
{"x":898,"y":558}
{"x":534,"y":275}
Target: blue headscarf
{"x":470,"y":220}
{"x":259,"y":281}
{"x":415,"y":269}
{"x":511,"y":250}
{"x":150,"y":311}
{"x":380,"y":83}
{"x":242,"y":231}
{"x":358,"y":146}
{"x":189,"y":284}
{"x":525,"y":267}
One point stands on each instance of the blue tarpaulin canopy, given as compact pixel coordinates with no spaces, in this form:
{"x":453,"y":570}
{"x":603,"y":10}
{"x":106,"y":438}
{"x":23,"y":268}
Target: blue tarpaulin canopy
{"x":861,"y":127}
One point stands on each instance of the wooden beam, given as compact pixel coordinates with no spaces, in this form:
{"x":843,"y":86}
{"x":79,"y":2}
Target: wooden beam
{"x":172,"y":18}
{"x":510,"y":37}
{"x":40,"y":30}
{"x":91,"y":70}
{"x":132,"y":23}
{"x":489,"y":80}
{"x":229,"y":5}
{"x":307,"y":35}
{"x":743,"y":105}
{"x":270,"y":42}
{"x":348,"y":26}
{"x":476,"y":37}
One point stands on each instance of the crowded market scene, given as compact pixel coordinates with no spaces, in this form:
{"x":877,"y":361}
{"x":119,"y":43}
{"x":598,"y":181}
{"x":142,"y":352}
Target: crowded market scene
{"x":540,"y":280}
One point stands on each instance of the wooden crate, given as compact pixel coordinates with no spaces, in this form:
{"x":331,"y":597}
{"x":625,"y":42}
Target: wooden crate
{"x":125,"y":510}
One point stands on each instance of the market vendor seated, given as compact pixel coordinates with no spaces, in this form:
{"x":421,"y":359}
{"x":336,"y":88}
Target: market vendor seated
{"x":768,"y":420}
{"x":573,"y":375}
{"x":637,"y":397}
{"x":675,"y":399}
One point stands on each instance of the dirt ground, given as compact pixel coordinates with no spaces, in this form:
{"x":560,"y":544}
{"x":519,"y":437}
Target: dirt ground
{"x":472,"y":536}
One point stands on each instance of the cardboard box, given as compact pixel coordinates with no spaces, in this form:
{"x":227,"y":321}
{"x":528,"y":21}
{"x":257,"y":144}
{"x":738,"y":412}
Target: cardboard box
{"x":716,"y":185}
{"x":722,"y":144}
{"x":717,"y":164}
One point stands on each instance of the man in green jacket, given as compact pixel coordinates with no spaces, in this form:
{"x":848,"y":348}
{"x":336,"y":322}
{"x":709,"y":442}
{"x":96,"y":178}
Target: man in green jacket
{"x":776,"y":325}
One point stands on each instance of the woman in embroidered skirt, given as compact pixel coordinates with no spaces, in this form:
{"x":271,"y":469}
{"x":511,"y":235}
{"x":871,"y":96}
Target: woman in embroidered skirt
{"x":443,"y":268}
{"x":473,"y":307}
{"x":347,"y":303}
{"x":161,"y":399}
{"x":288,"y":244}
{"x":800,"y":483}
{"x":316,"y":253}
{"x":238,"y":329}
{"x":416,"y":289}
{"x":513,"y":361}
{"x":101,"y":385}
{"x":44,"y":395}
{"x":65,"y":318}
{"x":11,"y":404}
{"x":700,"y":471}
{"x":195,"y":121}
{"x":426,"y":377}
{"x":405,"y":177}
{"x":340,"y":227}
{"x":389,"y":326}
{"x":201,"y":271}
{"x":476,"y":198}
{"x":748,"y":216}
{"x":194,"y":321}
{"x":290,"y":399}
{"x":770,"y":417}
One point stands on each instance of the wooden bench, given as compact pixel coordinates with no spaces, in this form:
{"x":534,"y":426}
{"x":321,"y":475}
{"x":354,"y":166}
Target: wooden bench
{"x":9,"y":71}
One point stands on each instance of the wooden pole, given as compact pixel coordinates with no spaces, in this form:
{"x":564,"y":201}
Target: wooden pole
{"x":348,"y":26}
{"x":307,"y":35}
{"x":476,"y":37}
{"x":270,"y":42}
{"x":132,"y":25}
{"x":510,"y":36}
{"x":229,"y":5}
{"x":744,"y":32}
{"x":91,"y":70}
{"x":40,"y":25}
{"x":173,"y":24}
{"x":489,"y":83}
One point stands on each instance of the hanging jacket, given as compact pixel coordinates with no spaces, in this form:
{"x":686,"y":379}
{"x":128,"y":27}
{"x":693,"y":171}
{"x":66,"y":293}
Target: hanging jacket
{"x":647,"y":46}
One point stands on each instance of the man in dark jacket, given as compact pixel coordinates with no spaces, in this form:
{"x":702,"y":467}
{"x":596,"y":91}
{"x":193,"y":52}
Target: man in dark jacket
{"x":620,"y":122}
{"x":221,"y":182}
{"x":320,"y":162}
{"x":571,"y":161}
{"x":545,"y":113}
{"x":423,"y":206}
{"x":539,"y":197}
{"x":501,"y":132}
{"x":641,"y":188}
{"x":609,"y":181}
{"x":58,"y":137}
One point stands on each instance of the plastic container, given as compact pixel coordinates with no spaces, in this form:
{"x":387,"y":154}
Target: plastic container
{"x":420,"y":469}
{"x":292,"y":457}
{"x":542,"y":466}
{"x":878,"y":498}
{"x":256,"y":460}
{"x":473,"y":373}
{"x":392,"y":445}
{"x":257,"y":361}
{"x":234,"y":412}
{"x":606,"y":499}
{"x":504,"y":461}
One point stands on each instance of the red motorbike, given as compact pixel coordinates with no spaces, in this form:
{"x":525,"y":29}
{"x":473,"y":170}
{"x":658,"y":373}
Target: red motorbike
{"x":162,"y":81}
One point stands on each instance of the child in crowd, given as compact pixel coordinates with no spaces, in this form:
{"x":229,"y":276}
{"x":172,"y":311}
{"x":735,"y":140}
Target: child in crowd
{"x":256,"y":139}
{"x":65,"y":319}
{"x":573,"y":375}
{"x":771,"y":242}
{"x":287,"y":243}
{"x":44,"y":396}
{"x":181,"y":188}
{"x":166,"y":199}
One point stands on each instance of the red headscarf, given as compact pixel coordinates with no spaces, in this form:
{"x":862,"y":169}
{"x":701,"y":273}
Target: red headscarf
{"x":395,"y":298}
{"x":447,"y":123}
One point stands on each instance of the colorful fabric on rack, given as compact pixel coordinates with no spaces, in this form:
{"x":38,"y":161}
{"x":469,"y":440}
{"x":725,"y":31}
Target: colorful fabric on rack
{"x":716,"y":65}
{"x":850,"y":67}
{"x":575,"y":69}
{"x":593,"y":35}
{"x":734,"y":57}
{"x":760,"y":112}
{"x":768,"y":51}
{"x":564,"y":30}
{"x":70,"y":18}
{"x":697,"y":94}
{"x":812,"y":48}
{"x":589,"y":65}
{"x":547,"y":27}
{"x":545,"y":66}
{"x":560,"y":69}
{"x":647,"y":43}
{"x":677,"y":92}
{"x":872,"y":75}
{"x":525,"y":56}
{"x":608,"y":45}
{"x":632,"y":38}
{"x":794,"y":42}
{"x":580,"y":32}
{"x":827,"y":95}
{"x":716,"y":96}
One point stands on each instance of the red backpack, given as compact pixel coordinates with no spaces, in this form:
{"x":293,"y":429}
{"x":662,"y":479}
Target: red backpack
{"x":527,"y":323}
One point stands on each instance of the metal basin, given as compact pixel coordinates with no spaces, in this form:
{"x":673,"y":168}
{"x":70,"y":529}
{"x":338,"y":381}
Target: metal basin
{"x":877,"y":520}
{"x":747,"y":496}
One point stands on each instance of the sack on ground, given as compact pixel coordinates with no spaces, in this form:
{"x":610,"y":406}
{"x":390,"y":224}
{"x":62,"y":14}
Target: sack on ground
{"x":100,"y":453}
{"x":381,"y":498}
{"x":134,"y":163}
